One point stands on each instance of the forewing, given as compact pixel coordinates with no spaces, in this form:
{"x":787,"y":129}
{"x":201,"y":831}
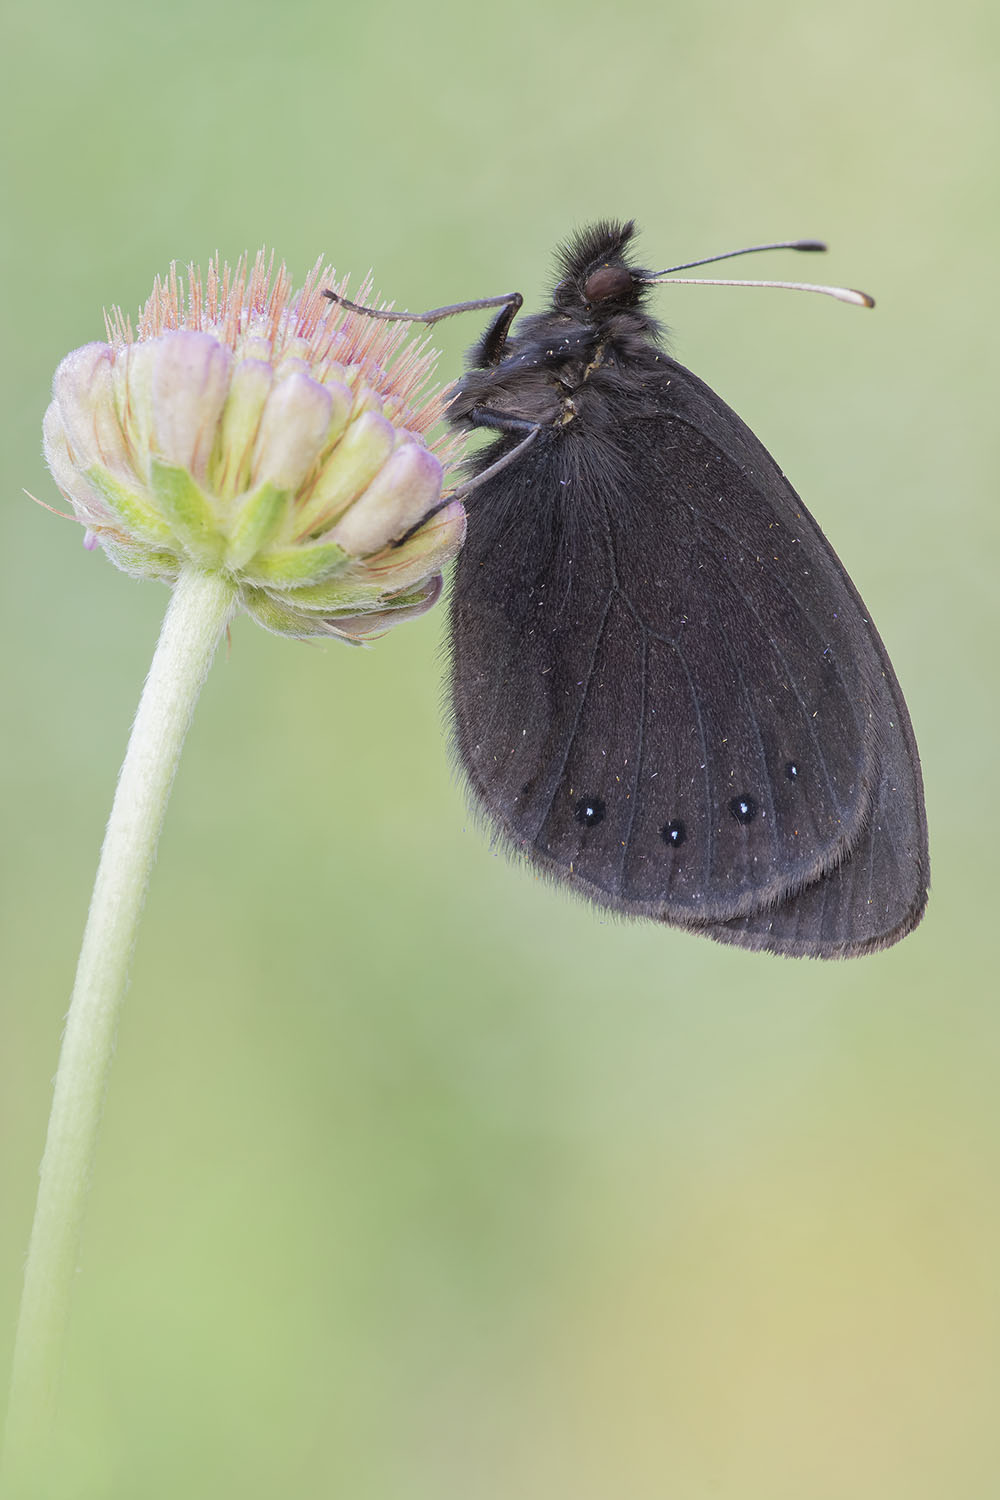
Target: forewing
{"x":667,"y":692}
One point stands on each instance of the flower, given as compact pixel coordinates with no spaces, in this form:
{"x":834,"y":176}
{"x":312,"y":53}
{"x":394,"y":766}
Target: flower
{"x":273,"y":437}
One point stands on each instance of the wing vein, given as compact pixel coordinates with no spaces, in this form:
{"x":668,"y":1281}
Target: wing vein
{"x":793,"y":684}
{"x":789,"y":592}
{"x":704,"y":754}
{"x":627,"y":841}
{"x":760,"y":743}
{"x":557,"y":779}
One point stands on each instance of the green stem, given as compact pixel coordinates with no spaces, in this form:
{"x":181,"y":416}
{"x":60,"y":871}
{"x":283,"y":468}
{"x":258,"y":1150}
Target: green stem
{"x":199,"y":612}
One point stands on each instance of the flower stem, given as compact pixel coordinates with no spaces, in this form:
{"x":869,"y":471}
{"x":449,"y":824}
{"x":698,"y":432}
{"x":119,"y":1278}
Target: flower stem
{"x":199,"y":611}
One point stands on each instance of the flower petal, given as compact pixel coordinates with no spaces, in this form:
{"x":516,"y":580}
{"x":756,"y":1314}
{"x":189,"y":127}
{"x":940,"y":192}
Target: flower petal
{"x":350,"y":468}
{"x":190,"y":385}
{"x":82,"y":393}
{"x":294,"y":430}
{"x":249,"y":389}
{"x":78,"y":490}
{"x":406,"y":487}
{"x":426,"y":551}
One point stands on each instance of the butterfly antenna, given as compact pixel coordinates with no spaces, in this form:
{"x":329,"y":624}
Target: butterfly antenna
{"x":842,"y":293}
{"x":708,"y":260}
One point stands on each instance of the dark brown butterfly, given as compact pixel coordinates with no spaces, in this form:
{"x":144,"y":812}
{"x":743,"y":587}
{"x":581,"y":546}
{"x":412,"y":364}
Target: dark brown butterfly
{"x":667,"y":692}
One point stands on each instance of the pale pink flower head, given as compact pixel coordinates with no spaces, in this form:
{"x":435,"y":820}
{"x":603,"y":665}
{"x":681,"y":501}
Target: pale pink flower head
{"x":271,"y":436}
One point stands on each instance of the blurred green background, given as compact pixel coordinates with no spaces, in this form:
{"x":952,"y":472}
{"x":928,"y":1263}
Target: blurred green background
{"x":418,"y":1179}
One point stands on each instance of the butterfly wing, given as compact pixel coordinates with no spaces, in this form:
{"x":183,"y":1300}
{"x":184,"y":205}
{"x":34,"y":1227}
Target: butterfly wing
{"x":668,"y":693}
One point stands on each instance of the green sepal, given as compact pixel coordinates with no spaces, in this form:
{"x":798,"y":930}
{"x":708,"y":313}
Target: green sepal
{"x":388,"y":603}
{"x":190,"y":515}
{"x":277,"y":617}
{"x":355,"y":599}
{"x":136,"y":515}
{"x":139,"y":561}
{"x":349,"y":598}
{"x":297,"y":567}
{"x":406,"y":597}
{"x":255,"y":524}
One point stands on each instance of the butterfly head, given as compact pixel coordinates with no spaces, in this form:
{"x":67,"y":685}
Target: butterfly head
{"x":597,"y":278}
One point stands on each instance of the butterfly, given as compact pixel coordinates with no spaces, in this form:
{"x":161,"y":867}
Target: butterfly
{"x":666,"y":692}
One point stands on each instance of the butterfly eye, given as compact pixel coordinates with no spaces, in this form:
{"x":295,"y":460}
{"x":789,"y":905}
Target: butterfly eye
{"x":608,"y":284}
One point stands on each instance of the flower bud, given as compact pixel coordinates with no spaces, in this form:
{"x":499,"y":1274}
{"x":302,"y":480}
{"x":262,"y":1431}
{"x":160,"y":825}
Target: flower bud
{"x":278,"y":439}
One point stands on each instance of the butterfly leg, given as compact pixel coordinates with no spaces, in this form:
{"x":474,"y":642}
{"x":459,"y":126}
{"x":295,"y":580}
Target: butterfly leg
{"x":492,"y":341}
{"x":492,"y":346}
{"x":512,"y":424}
{"x":505,"y":424}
